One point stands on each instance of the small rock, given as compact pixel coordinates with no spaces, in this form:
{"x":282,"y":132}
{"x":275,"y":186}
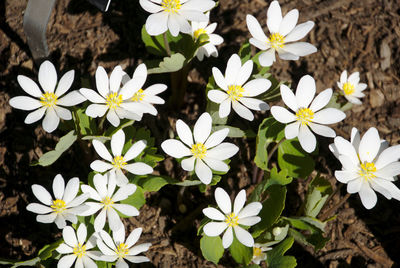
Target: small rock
{"x":385,"y":55}
{"x":376,"y":98}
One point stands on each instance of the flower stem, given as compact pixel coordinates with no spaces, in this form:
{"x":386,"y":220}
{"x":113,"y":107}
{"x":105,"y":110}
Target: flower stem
{"x":179,"y":84}
{"x":166,"y":44}
{"x":274,"y":149}
{"x":101,"y":124}
{"x":333,"y":209}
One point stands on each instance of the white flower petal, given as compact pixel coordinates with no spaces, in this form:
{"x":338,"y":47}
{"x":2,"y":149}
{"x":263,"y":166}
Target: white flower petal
{"x":135,"y":150}
{"x":173,"y":24}
{"x":292,"y":130}
{"x":188,"y":163}
{"x":124,"y":192}
{"x":117,"y":142}
{"x":282,"y":114}
{"x":299,"y":31}
{"x":307,"y":139}
{"x":81,"y":233}
{"x":66,"y":261}
{"x":321,"y":100}
{"x":127,"y":210}
{"x":388,"y":156}
{"x":203,"y":172}
{"x":254,"y":104}
{"x":35,"y":115}
{"x":69,"y":236}
{"x":223,"y":200}
{"x":289,"y":98}
{"x":42,"y":194}
{"x":344,"y":176}
{"x":202,"y":128}
{"x":288,"y":22}
{"x":175,"y":148}
{"x":116,"y":78}
{"x":274,"y":17}
{"x":344,"y":147}
{"x":64,"y":249}
{"x":47,"y":218}
{"x":157,"y":24}
{"x":305,"y":91}
{"x":139,"y":168}
{"x":354,"y":186}
{"x":214,"y":228}
{"x":29,"y":86}
{"x":239,"y":202}
{"x":58,"y":186}
{"x":259,"y":44}
{"x":25,"y":103}
{"x":38,"y":208}
{"x":139,"y":249}
{"x":71,"y":190}
{"x":184,"y":133}
{"x":150,"y":6}
{"x":219,"y":78}
{"x":113,"y":118}
{"x":216,"y":138}
{"x":300,"y":49}
{"x":71,"y":99}
{"x":227,"y":238}
{"x":369,"y":145}
{"x":65,"y":83}
{"x":47,"y":76}
{"x":63,"y":113}
{"x":250,"y":210}
{"x":242,"y":111}
{"x":368,"y":196}
{"x":217,"y":96}
{"x":113,"y":220}
{"x":244,"y":236}
{"x":214,"y":214}
{"x":92,"y":95}
{"x":285,"y":55}
{"x":102,"y":150}
{"x":51,"y":120}
{"x":388,"y":171}
{"x":255,"y":87}
{"x":88,"y":262}
{"x":133,"y":237}
{"x":354,"y":78}
{"x":102,"y":82}
{"x":100,"y":220}
{"x":96,"y":110}
{"x":223,"y":151}
{"x":385,"y":186}
{"x":232,"y":69}
{"x":244,"y":73}
{"x":322,"y":130}
{"x":225,"y":108}
{"x":249,"y":221}
{"x":267,"y":58}
{"x":104,"y":249}
{"x":329,"y":116}
{"x":155,"y":89}
{"x":200,"y":5}
{"x":93,"y":207}
{"x":216,"y":164}
{"x":255,"y":28}
{"x":100,"y":166}
{"x":107,"y":239}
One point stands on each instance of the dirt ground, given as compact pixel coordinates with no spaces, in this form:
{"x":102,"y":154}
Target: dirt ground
{"x":361,"y":35}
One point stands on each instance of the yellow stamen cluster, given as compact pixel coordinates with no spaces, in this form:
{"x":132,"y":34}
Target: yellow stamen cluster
{"x":276,"y":40}
{"x":171,"y":6}
{"x":48,"y":99}
{"x":305,"y":115}
{"x":79,"y":250}
{"x":232,"y":220}
{"x":122,"y":250}
{"x":348,"y":88}
{"x":199,"y":32}
{"x":113,"y":100}
{"x":59,"y":206}
{"x":367,"y":171}
{"x":138,"y":96}
{"x":199,"y":150}
{"x":257,"y":252}
{"x":118,"y":162}
{"x":235,"y":92}
{"x":107,"y":202}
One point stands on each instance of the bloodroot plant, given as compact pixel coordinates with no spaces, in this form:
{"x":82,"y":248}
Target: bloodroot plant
{"x":109,"y":124}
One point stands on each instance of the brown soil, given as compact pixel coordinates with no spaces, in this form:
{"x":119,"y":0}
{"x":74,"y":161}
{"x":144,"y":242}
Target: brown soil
{"x":354,"y":35}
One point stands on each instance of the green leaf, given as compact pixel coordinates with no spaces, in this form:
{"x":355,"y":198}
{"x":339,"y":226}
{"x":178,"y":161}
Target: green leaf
{"x":62,"y":145}
{"x":31,"y":262}
{"x":318,"y":192}
{"x":240,"y":253}
{"x":151,"y":183}
{"x":272,"y":208}
{"x":245,"y":52}
{"x":269,"y":131}
{"x":215,"y":179}
{"x":136,"y":199}
{"x":276,"y":258}
{"x":297,"y":162}
{"x":86,"y":125}
{"x":211,"y":248}
{"x":168,"y":65}
{"x":154,"y":44}
{"x":47,"y":251}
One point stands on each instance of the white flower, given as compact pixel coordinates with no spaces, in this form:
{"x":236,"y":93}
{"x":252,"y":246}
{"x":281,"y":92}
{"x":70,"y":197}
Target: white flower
{"x":231,"y":220}
{"x":107,"y":201}
{"x":144,"y":98}
{"x":119,"y":162}
{"x":259,"y":254}
{"x":48,"y":101}
{"x":237,"y":94}
{"x":351,"y":87}
{"x":65,"y":206}
{"x":308,"y":113}
{"x":118,"y":249}
{"x":113,"y":99}
{"x":209,"y":49}
{"x":368,"y":165}
{"x":206,"y":151}
{"x":173,"y":15}
{"x":282,"y":31}
{"x":77,"y":248}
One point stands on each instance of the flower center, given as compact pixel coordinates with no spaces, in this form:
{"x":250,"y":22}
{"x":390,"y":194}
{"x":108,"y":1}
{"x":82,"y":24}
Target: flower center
{"x":113,"y":100}
{"x":199,"y":32}
{"x":118,"y":162}
{"x":348,"y":88}
{"x":138,"y":96}
{"x":107,"y":202}
{"x":232,"y":220}
{"x":58,"y":206}
{"x":122,"y":250}
{"x":276,"y":40}
{"x":257,"y":252}
{"x":367,"y":171}
{"x":171,"y":6}
{"x":48,"y":99}
{"x":199,"y":150}
{"x":305,"y":115}
{"x":79,"y":250}
{"x":235,"y":92}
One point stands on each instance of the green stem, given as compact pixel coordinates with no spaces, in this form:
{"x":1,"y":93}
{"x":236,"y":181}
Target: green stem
{"x":274,"y":149}
{"x":77,"y":125}
{"x":166,"y":44}
{"x":101,"y":124}
{"x":179,"y":84}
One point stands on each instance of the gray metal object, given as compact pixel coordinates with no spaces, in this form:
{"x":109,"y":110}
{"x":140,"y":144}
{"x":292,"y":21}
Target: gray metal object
{"x":101,"y":4}
{"x":37,"y":15}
